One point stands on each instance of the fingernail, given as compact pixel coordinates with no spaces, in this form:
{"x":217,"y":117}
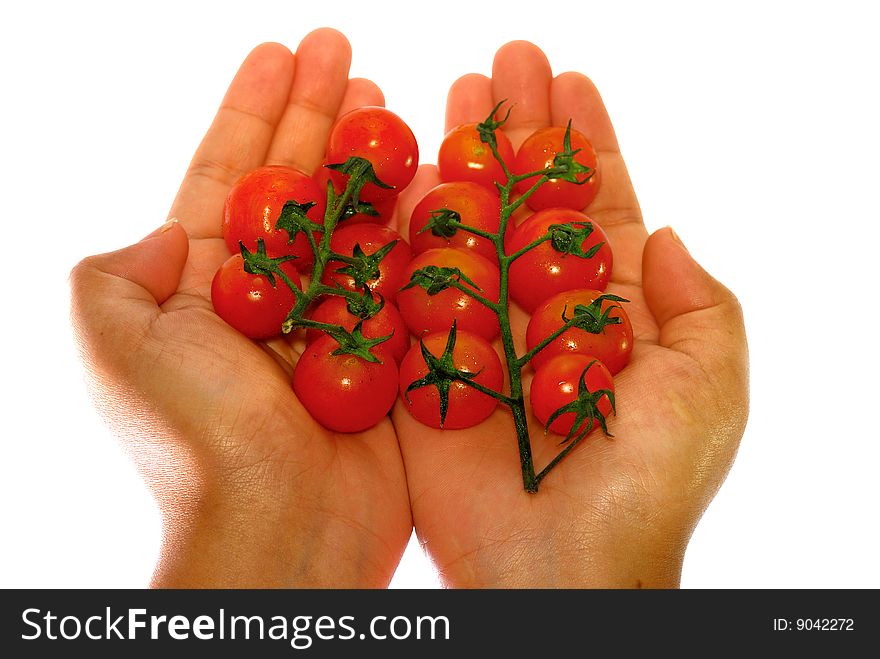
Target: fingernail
{"x":676,"y":237}
{"x":162,"y":229}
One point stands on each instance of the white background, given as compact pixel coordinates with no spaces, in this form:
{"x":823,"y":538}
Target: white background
{"x":752,"y":130}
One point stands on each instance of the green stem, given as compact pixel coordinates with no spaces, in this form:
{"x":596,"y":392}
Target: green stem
{"x":530,"y":246}
{"x":559,"y":457}
{"x":514,"y":368}
{"x":322,"y":251}
{"x":497,"y":395}
{"x":494,"y":306}
{"x":488,"y":235}
{"x":526,"y":358}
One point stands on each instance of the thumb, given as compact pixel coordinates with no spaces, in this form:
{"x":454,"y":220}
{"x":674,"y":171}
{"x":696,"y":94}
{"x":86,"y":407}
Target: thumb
{"x":115,"y":295}
{"x":148,"y":270}
{"x":696,"y":314}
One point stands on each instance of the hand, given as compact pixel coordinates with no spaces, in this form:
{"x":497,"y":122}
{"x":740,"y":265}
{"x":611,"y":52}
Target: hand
{"x":252,"y":491}
{"x":614,"y":512}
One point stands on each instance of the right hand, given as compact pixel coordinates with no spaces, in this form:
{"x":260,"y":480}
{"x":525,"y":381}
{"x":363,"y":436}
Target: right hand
{"x":252,"y":491}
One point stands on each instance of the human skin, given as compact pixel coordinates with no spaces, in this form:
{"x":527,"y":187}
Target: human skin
{"x":254,"y":493}
{"x":615,"y":512}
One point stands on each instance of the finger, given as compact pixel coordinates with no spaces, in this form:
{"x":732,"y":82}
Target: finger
{"x":696,"y":314}
{"x":574,"y":96}
{"x":360,"y":92}
{"x":237,"y":140}
{"x":616,"y":209}
{"x":319,"y":84}
{"x":427,"y":177}
{"x":469,"y":100}
{"x":123,"y":289}
{"x":521,"y":74}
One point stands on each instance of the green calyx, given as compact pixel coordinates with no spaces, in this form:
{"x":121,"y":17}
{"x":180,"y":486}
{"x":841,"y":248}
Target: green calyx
{"x":568,"y":238}
{"x":360,"y":172}
{"x":355,"y":343}
{"x":364,"y":306}
{"x":441,"y":373}
{"x":363,"y":267}
{"x":260,"y":263}
{"x":359,"y":208}
{"x":294,"y":220}
{"x":440,"y":223}
{"x":435,"y":279}
{"x":591,"y":317}
{"x":565,"y":167}
{"x":489,"y":125}
{"x":586,"y":410}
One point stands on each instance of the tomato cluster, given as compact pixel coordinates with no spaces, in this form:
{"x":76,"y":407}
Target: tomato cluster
{"x":287,"y":228}
{"x":415,"y":317}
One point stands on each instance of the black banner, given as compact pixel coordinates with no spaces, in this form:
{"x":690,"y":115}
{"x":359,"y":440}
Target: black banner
{"x":106,"y":623}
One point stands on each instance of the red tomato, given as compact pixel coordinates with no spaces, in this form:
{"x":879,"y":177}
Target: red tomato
{"x":463,"y":157}
{"x":343,"y":392}
{"x":384,"y":208}
{"x":249,"y":302}
{"x":538,"y":152}
{"x":425,"y":313}
{"x":254,"y":205}
{"x":544,"y":271}
{"x":467,"y":407}
{"x":556,"y":384}
{"x":612,"y":345}
{"x":391,"y":270}
{"x":478,"y":207}
{"x":334,"y":310}
{"x":380,"y":136}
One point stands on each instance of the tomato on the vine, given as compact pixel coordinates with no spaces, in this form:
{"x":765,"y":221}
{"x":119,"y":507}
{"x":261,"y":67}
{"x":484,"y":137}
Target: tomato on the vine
{"x":476,"y":205}
{"x":334,"y":310}
{"x":249,"y":302}
{"x":424,"y":312}
{"x":383,"y":278}
{"x":557,"y":384}
{"x":383,"y":209}
{"x":609,"y":340}
{"x":380,"y":136}
{"x":254,"y":205}
{"x":538,"y":152}
{"x":464,"y":157}
{"x":344,"y":392}
{"x":466,"y":406}
{"x":545,"y":270}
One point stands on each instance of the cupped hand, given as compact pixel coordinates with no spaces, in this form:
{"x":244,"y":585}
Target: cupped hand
{"x":252,"y":491}
{"x":614,"y":512}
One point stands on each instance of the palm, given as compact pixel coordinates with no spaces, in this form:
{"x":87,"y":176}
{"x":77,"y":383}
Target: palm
{"x":252,"y":431}
{"x":468,"y":502}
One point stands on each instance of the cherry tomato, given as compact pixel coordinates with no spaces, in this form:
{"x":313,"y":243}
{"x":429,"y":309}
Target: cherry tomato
{"x":463,"y":157}
{"x":334,"y":310}
{"x":390,"y":271}
{"x":344,"y":393}
{"x":476,"y":205}
{"x":254,"y":205}
{"x":249,"y":302}
{"x":384,"y":207}
{"x":467,"y":407}
{"x":538,"y":152}
{"x":544,"y":271}
{"x":426,"y":313}
{"x":556,"y":384}
{"x":380,"y":136}
{"x":612,"y":345}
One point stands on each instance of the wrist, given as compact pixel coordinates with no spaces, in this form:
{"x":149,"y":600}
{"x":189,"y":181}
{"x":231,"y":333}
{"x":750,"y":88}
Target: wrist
{"x":252,"y":538}
{"x":650,"y":559}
